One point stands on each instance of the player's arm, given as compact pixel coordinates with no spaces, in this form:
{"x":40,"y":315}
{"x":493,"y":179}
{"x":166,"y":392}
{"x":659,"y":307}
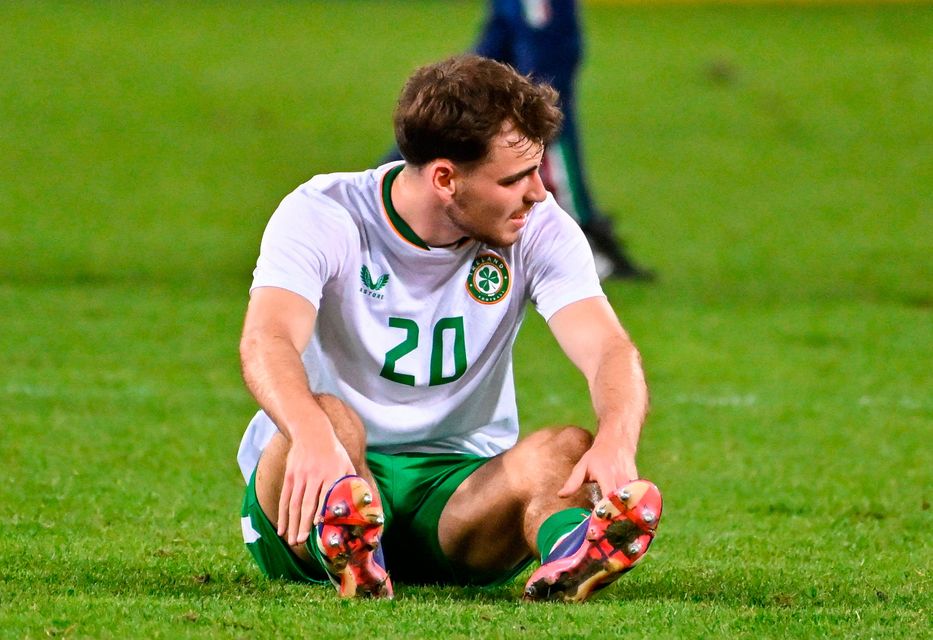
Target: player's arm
{"x":278,"y":326}
{"x":594,"y":340}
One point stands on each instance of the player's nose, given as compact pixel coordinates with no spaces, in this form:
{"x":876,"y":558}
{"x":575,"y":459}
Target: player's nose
{"x":536,"y":191}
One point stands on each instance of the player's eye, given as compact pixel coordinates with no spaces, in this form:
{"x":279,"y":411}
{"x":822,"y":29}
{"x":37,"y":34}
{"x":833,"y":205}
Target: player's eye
{"x":515,"y":180}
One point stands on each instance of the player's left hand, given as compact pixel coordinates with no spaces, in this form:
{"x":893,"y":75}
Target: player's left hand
{"x":608,"y":463}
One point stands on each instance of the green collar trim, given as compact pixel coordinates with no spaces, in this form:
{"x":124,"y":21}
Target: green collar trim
{"x":401,"y":227}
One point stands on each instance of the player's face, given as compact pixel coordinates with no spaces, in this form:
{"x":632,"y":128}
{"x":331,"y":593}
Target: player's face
{"x":494,"y":199}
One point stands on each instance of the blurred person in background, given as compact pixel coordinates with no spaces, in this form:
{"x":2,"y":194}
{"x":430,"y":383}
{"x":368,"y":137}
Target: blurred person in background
{"x":542,"y":39}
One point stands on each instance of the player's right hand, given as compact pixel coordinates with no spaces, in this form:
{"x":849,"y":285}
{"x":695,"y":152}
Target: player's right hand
{"x":311,"y":468}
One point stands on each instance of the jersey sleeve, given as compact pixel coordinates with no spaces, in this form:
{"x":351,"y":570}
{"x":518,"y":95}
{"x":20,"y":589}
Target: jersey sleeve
{"x":306,"y":243}
{"x":558,"y":260}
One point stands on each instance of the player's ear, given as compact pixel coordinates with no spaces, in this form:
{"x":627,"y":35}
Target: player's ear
{"x":444,"y":178}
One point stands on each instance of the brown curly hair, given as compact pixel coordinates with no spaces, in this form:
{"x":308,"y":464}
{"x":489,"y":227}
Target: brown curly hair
{"x":454,"y":108}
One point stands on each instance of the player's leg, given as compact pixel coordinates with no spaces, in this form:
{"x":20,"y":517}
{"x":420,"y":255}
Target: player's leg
{"x":270,"y":472}
{"x":509,"y":510}
{"x":491,"y":521}
{"x":346,"y":541}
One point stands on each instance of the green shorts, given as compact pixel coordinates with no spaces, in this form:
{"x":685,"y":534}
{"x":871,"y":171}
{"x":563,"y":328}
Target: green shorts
{"x":414,"y":488}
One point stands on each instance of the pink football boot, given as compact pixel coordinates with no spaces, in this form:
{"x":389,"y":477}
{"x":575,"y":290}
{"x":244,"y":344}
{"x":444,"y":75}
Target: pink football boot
{"x":608,"y":543}
{"x":348,"y":537}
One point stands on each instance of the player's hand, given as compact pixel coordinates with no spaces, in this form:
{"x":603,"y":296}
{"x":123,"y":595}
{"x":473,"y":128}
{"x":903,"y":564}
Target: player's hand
{"x":311,"y":468}
{"x":609,"y":464}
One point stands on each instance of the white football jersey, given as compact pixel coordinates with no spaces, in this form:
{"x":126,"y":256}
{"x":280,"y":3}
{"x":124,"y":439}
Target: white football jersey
{"x":416,"y":339}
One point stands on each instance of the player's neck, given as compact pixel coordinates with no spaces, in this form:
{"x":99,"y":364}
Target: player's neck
{"x":422,"y":211}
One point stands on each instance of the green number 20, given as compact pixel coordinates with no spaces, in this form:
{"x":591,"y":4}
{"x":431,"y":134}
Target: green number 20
{"x":410,"y":343}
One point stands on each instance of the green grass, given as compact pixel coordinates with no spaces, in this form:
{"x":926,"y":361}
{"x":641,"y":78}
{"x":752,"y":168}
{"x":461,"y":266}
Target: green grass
{"x":773,"y":163}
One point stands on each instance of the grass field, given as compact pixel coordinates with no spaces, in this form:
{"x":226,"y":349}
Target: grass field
{"x":774,"y":164}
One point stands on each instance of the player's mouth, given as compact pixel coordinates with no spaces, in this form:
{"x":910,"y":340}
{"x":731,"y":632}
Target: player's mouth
{"x":519,"y":219}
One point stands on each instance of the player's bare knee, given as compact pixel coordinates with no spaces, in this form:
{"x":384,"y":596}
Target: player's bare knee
{"x":572,"y":442}
{"x":340,"y":414}
{"x":331,"y":403}
{"x":557,"y":449}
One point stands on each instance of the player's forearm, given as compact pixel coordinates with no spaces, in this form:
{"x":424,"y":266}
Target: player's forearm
{"x":275,"y":375}
{"x":620,"y":395}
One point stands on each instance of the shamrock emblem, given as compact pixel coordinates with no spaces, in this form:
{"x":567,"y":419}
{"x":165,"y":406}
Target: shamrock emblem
{"x":488,"y":278}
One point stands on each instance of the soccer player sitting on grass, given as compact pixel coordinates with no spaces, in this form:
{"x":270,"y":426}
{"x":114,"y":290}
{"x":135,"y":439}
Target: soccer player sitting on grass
{"x":378,"y":343}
